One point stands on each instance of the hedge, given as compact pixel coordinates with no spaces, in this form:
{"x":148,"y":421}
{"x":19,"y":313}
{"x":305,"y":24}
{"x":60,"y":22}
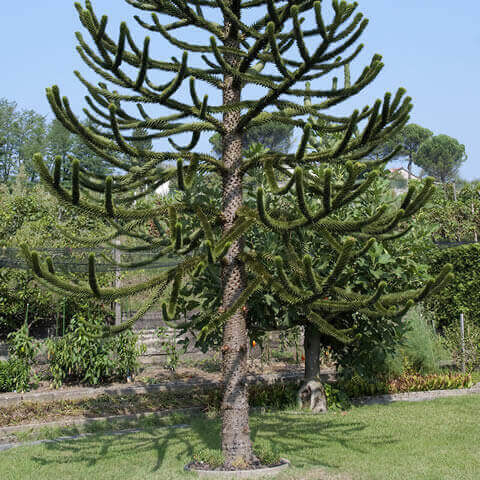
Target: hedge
{"x":462,"y":295}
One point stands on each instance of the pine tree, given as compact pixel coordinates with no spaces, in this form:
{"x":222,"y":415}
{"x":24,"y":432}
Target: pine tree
{"x":286,"y":44}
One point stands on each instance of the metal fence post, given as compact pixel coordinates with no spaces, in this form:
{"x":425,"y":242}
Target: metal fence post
{"x":118,"y":283}
{"x":462,"y":339}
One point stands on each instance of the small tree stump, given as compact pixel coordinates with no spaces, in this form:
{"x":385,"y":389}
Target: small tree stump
{"x":312,"y":396}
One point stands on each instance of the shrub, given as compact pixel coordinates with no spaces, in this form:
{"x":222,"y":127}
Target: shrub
{"x":419,"y":383}
{"x":19,"y":292}
{"x":413,"y":345}
{"x":170,"y":347}
{"x":14,"y":376}
{"x":423,"y":349}
{"x":21,"y":345}
{"x":284,"y":395}
{"x":17,"y":289}
{"x":407,"y":382}
{"x":371,"y":355}
{"x":277,"y":396}
{"x":82,"y":356}
{"x":337,"y":399}
{"x":266,"y":454}
{"x":209,"y":456}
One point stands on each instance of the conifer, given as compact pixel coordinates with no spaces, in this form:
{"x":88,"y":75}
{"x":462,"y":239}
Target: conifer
{"x":267,"y":46}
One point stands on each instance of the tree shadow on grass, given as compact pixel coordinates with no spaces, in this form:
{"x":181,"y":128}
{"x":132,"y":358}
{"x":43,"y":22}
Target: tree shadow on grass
{"x":90,"y":450}
{"x":305,"y":439}
{"x":300,"y":438}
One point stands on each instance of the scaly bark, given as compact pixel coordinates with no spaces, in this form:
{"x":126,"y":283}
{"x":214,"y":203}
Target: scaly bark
{"x":236,"y":443}
{"x":312,"y":345}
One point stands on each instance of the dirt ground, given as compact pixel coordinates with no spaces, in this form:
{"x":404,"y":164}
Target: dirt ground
{"x":106,"y":405}
{"x":152,"y":374}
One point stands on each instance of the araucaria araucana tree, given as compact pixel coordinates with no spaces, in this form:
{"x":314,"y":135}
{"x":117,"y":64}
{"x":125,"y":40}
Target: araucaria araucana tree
{"x":284,"y":45}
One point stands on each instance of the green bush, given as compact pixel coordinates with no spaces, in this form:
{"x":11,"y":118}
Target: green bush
{"x":266,"y":454}
{"x":419,"y":383}
{"x":461,"y":294}
{"x":213,"y":458}
{"x":81,"y":356}
{"x":277,"y":396}
{"x":337,"y":399}
{"x":423,"y":349}
{"x":413,"y":345}
{"x":372,"y":353}
{"x":21,"y":345}
{"x":284,"y":395}
{"x":14,"y":376}
{"x":407,"y":382}
{"x":17,"y":289}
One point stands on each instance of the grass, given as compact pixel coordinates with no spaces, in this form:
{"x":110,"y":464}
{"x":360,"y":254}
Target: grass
{"x":433,"y":440}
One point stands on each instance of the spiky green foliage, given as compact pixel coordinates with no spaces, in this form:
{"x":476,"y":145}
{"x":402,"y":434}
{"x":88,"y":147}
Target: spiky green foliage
{"x":327,"y":294}
{"x":287,"y":52}
{"x":270,"y":40}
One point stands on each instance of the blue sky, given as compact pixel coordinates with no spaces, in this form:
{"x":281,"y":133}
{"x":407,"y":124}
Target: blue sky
{"x":430,"y":47}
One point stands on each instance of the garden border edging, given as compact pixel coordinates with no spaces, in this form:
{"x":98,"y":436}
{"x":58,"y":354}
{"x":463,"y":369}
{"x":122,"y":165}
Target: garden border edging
{"x":79,"y":422}
{"x":257,"y":473}
{"x":415,"y":396}
{"x":9,"y":399}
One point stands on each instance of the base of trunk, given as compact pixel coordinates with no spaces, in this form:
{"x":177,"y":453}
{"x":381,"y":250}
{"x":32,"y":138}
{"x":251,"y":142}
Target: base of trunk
{"x":312,"y":395}
{"x":257,"y":471}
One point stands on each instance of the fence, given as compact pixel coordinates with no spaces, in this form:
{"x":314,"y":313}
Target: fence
{"x":75,"y":260}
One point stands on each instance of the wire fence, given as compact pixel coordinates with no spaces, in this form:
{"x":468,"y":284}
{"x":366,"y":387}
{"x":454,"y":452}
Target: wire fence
{"x":450,"y":244}
{"x":75,"y":260}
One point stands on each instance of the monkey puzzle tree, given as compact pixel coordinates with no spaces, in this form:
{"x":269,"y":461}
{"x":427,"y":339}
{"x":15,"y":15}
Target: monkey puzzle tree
{"x":285,"y":44}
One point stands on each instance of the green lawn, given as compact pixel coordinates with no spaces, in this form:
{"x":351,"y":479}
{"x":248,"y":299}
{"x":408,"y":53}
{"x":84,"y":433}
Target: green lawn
{"x":436,"y":440}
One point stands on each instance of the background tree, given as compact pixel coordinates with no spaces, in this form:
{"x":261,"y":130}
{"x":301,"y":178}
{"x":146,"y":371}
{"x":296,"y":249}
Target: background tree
{"x":63,"y":143}
{"x":410,"y":138}
{"x":453,"y":219}
{"x":441,"y":157}
{"x":27,"y":214}
{"x":265,"y":54}
{"x":275,"y":136}
{"x":22,"y":133}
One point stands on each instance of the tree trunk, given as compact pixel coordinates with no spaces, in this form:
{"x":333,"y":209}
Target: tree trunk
{"x":410,"y":162}
{"x":311,"y":394}
{"x":236,"y":443}
{"x":312,"y":345}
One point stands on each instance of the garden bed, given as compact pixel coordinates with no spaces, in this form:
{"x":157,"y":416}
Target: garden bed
{"x":154,"y":380}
